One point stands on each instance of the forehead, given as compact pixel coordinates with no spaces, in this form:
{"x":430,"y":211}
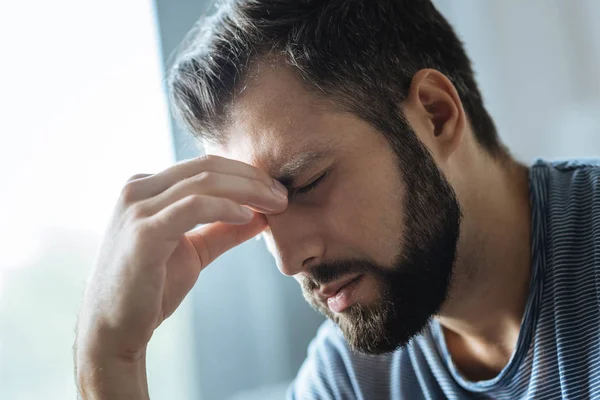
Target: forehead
{"x":274,"y":119}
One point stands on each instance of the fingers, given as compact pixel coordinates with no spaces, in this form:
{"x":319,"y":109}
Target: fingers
{"x":251,"y":192}
{"x":138,"y":176}
{"x":186,"y":213}
{"x":157,"y":183}
{"x":213,"y":191}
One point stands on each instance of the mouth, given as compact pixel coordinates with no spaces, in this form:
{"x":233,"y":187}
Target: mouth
{"x":338,"y":295}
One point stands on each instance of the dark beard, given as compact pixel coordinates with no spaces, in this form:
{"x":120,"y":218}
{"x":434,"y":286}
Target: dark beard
{"x":413,"y":290}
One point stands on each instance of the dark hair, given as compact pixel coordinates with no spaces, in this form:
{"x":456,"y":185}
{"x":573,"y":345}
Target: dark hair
{"x":361,"y":53}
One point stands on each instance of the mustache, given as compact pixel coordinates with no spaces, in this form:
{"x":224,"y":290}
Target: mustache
{"x":330,"y":271}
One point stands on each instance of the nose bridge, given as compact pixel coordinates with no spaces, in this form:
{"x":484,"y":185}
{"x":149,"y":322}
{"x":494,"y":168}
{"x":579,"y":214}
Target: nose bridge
{"x":295,"y":240}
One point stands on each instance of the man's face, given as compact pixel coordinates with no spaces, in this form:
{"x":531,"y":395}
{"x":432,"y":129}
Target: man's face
{"x":371,"y":241}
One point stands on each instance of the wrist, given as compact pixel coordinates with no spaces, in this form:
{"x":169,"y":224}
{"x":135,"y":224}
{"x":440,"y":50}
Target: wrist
{"x":102,"y":375}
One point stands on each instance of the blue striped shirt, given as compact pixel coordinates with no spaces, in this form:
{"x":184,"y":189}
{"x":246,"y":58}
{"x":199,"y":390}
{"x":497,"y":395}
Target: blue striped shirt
{"x":557,"y":355}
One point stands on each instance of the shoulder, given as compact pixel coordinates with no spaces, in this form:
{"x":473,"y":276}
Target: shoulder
{"x":567,"y":201}
{"x":577,"y":169}
{"x":592,"y":164}
{"x":567,"y":187}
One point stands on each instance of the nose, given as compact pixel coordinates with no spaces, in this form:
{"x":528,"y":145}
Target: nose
{"x":295,"y":241}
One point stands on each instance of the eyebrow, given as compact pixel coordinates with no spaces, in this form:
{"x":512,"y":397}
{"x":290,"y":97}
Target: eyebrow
{"x":289,"y":172}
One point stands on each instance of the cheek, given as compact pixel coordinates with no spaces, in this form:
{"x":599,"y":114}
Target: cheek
{"x":368,"y":221}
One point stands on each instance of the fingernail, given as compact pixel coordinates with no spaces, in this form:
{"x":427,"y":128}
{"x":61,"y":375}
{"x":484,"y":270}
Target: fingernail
{"x":248,"y":212}
{"x":262,"y":209}
{"x":279,"y":190}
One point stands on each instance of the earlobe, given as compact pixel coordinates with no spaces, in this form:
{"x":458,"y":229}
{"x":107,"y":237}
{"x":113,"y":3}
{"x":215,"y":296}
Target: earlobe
{"x":438,"y":102}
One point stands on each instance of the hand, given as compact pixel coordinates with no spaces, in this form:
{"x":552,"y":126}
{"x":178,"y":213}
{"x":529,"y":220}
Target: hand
{"x":150,"y":259}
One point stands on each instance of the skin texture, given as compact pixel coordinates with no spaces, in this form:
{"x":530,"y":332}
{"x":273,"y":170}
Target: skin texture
{"x":355,"y":212}
{"x":416,"y":217}
{"x":150,"y":256}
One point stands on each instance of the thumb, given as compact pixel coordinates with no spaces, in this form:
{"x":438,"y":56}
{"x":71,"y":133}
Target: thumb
{"x":214,"y":239}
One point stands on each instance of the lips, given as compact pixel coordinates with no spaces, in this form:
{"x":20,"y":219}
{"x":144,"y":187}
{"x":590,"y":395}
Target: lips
{"x":330,"y":290}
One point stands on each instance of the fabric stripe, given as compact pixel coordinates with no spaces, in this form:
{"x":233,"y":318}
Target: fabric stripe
{"x":558,"y":350}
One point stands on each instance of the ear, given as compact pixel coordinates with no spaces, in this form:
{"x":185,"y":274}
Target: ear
{"x":435,"y":111}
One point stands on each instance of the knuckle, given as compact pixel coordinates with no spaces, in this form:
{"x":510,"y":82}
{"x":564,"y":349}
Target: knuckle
{"x":130,"y":191}
{"x":136,"y":212}
{"x":137,"y":176}
{"x":206,"y":178}
{"x":196,"y":201}
{"x":205,"y":206}
{"x":139,"y":233}
{"x":208,"y":160}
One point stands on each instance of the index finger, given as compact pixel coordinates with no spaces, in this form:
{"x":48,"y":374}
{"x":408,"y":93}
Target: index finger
{"x":210,"y":163}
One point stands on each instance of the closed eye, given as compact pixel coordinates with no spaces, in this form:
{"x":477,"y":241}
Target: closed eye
{"x":311,"y":186}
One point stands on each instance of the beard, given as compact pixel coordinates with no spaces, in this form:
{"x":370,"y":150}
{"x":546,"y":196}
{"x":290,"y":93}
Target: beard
{"x":412,"y":290}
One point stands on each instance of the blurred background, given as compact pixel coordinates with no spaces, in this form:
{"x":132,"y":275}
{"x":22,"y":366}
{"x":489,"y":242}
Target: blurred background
{"x":83,"y":107}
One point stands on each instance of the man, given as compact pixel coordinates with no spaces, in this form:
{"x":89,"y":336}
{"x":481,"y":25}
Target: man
{"x":447,"y":269}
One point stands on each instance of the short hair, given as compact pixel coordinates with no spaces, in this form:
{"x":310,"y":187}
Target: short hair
{"x":362,"y":54}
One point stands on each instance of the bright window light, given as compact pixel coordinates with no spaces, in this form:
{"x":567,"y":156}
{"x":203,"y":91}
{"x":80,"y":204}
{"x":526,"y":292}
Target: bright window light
{"x":82,"y":108}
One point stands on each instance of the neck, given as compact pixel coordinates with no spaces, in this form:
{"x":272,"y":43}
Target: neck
{"x":482,"y":318}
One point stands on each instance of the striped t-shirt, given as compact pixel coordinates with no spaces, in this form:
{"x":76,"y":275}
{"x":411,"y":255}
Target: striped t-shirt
{"x":557,"y":355}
